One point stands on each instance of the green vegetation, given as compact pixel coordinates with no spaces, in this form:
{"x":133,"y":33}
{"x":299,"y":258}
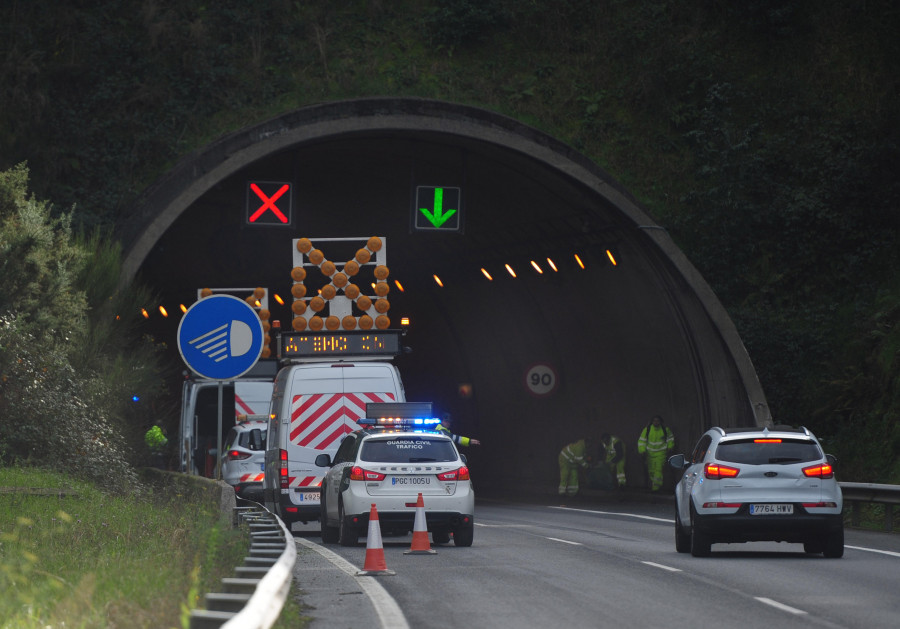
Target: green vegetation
{"x":74,"y":555}
{"x":763,"y":134}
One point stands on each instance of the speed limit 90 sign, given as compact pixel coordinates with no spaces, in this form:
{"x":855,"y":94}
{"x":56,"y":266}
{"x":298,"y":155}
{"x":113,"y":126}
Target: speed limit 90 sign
{"x":541,"y":380}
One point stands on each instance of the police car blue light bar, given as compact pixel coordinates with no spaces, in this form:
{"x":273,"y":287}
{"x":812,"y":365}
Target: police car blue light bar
{"x":418,"y":422}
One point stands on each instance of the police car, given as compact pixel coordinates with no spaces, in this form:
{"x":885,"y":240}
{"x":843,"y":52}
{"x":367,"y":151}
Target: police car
{"x":244,"y":459}
{"x":388,"y":464}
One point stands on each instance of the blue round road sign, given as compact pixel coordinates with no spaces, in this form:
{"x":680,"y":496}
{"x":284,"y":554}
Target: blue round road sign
{"x":220,"y":337}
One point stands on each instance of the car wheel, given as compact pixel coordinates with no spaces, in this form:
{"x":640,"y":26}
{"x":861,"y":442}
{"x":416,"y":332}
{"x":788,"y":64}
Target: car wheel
{"x":465,"y":534}
{"x":834,"y":544}
{"x":329,"y":533}
{"x":682,"y":539}
{"x":700,"y":544}
{"x":440,"y":536}
{"x":348,"y":535}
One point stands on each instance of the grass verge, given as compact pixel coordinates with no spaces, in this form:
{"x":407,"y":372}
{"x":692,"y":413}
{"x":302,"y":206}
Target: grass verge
{"x":72,"y":555}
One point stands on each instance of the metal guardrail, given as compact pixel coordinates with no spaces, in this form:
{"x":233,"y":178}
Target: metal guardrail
{"x":254,"y":599}
{"x":858,"y":493}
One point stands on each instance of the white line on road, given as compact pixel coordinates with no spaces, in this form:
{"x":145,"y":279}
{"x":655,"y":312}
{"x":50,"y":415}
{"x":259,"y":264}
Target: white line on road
{"x":659,"y":565}
{"x":874,"y":550}
{"x":386,"y":607}
{"x":565,"y":541}
{"x":624,"y":515}
{"x":781,"y":606}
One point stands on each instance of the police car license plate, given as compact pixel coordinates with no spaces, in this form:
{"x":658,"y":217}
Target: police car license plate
{"x":771,"y":509}
{"x":411,"y":481}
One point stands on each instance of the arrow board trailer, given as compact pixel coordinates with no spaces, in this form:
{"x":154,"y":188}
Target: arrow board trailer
{"x":315,"y":403}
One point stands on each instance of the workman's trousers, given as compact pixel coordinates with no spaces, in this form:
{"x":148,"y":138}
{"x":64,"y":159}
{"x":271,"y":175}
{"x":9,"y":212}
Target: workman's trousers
{"x":568,"y":477}
{"x":655,"y":463}
{"x":618,"y":470}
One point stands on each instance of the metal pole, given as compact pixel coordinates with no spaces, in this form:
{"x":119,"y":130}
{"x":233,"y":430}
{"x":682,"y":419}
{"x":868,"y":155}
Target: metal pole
{"x":219,"y":437}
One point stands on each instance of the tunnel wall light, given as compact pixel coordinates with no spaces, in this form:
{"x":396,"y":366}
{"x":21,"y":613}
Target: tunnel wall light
{"x":486,"y":274}
{"x":438,"y":281}
{"x":510,"y":269}
{"x":537,"y":267}
{"x":578,"y":260}
{"x":611,"y":257}
{"x":552,"y":265}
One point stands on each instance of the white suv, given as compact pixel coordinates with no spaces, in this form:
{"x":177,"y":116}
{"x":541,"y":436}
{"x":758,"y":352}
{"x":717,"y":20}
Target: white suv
{"x":390,"y":469}
{"x":244,"y":459}
{"x":758,"y":484}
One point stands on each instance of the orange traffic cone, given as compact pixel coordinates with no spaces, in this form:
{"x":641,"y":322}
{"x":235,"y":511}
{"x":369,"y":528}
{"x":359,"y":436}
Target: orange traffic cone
{"x":375,"y":564}
{"x":420,"y":544}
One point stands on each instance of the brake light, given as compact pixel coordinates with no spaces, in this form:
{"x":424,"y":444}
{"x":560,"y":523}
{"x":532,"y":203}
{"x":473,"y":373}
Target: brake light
{"x":458,"y":474}
{"x":767,"y":441}
{"x":721,"y":505}
{"x":714,"y":471}
{"x":283,"y":470}
{"x":237,"y":455}
{"x":358,"y":473}
{"x":823,"y":470}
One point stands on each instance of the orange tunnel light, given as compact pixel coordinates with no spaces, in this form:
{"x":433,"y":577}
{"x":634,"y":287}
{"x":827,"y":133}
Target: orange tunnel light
{"x":510,"y":269}
{"x":486,"y":274}
{"x":537,"y":267}
{"x":578,"y":260}
{"x":611,"y":257}
{"x":438,"y":281}
{"x":552,"y":265}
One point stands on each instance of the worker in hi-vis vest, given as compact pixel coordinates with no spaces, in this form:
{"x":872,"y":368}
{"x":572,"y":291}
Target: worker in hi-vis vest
{"x":457,"y":439}
{"x":615,"y":456}
{"x":572,"y":459}
{"x":654,"y":445}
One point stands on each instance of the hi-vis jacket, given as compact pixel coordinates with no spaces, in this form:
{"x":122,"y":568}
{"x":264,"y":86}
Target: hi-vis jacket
{"x":457,"y":439}
{"x":656,"y":440}
{"x":574,"y":454}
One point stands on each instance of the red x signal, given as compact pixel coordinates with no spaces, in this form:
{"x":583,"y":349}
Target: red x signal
{"x":268,"y":193}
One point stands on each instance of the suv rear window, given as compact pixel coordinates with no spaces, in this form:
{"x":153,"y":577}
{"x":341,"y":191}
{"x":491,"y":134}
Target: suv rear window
{"x":755,"y":453}
{"x":407,"y":449}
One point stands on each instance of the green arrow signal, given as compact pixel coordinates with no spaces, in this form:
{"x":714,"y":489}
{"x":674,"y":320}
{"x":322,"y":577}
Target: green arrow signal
{"x":437,"y":217}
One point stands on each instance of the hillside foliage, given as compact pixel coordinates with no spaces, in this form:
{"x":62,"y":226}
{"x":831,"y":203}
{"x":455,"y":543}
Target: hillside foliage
{"x":762,"y":134}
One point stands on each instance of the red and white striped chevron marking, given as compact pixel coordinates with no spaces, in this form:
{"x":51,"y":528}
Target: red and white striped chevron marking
{"x":320,"y":420}
{"x":241,"y":407}
{"x":252,"y":478}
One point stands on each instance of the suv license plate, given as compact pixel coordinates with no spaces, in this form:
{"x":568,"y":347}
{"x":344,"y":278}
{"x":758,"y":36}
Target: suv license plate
{"x":771,"y":509}
{"x":411,"y":481}
{"x":306,"y":496}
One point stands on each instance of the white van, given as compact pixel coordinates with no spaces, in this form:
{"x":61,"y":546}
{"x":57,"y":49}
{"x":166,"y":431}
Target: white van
{"x":314,"y":405}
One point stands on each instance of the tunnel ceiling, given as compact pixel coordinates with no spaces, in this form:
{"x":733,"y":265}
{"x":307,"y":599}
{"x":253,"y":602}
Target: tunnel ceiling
{"x":644,"y":334}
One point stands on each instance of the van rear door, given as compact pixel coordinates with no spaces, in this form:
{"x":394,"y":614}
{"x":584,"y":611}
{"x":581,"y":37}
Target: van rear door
{"x":325,"y":404}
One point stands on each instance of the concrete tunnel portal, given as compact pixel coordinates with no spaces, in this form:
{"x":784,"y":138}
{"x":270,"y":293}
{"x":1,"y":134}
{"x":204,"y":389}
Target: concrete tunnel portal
{"x":604,"y":347}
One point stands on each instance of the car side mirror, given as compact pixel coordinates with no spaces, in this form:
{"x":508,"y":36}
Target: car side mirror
{"x":463,"y":458}
{"x":256,"y":442}
{"x":677,"y":461}
{"x":323,"y":460}
{"x":831,"y":459}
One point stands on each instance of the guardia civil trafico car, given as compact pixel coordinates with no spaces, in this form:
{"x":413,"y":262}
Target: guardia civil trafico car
{"x":388,"y":464}
{"x":758,"y":484}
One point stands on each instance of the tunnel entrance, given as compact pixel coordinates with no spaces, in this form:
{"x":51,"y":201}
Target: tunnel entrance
{"x":563,"y":309}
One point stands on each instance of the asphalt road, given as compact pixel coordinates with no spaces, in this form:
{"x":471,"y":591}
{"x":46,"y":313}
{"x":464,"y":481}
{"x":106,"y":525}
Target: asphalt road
{"x":598,"y":564}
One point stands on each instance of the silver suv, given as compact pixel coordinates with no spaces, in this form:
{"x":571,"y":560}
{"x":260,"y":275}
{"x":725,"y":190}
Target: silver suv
{"x":244,"y":459}
{"x":758,"y":484}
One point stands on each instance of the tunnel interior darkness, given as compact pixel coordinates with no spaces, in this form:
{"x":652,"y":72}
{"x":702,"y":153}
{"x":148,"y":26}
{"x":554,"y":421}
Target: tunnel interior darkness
{"x":623,"y":341}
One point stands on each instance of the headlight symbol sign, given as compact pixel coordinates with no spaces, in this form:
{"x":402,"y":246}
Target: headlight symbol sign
{"x":220,"y":337}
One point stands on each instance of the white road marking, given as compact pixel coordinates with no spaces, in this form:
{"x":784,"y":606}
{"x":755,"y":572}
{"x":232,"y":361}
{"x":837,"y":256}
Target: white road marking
{"x":659,"y":565}
{"x":565,"y":541}
{"x":874,"y":550}
{"x":628,"y":515}
{"x":387,"y":609}
{"x":781,"y":606}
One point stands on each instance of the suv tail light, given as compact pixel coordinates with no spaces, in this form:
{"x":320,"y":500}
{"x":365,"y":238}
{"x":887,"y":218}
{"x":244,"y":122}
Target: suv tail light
{"x":283,"y":470}
{"x":822,"y":470}
{"x":358,"y":473}
{"x":237,"y":455}
{"x":716,"y":471}
{"x":459,"y":474}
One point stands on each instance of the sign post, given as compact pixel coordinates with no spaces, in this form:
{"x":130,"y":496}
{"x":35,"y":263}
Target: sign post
{"x":220,"y":338}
